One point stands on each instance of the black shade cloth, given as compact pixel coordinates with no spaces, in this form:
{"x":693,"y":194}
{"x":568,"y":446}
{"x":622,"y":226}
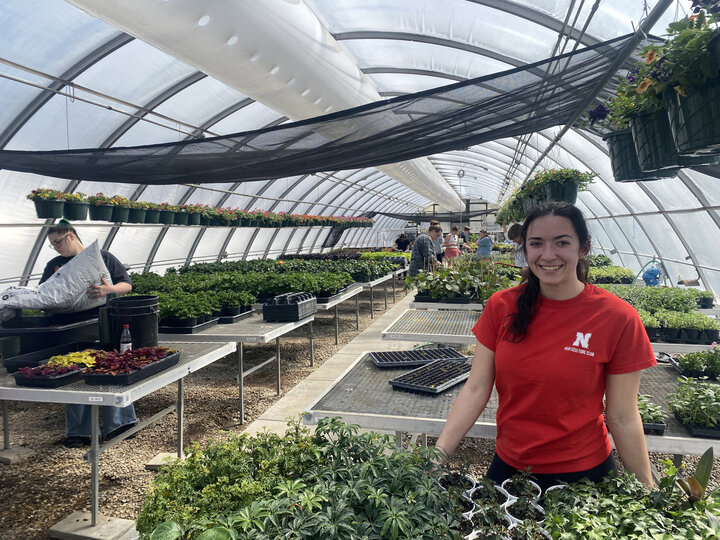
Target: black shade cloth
{"x":511,"y":103}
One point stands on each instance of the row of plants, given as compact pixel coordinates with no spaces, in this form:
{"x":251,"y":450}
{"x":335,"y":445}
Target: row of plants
{"x":654,"y":299}
{"x":50,"y":203}
{"x":700,"y":363}
{"x":467,"y":278}
{"x":661,"y":118}
{"x":611,"y":274}
{"x":696,"y":405}
{"x":337,"y":483}
{"x":546,"y":185}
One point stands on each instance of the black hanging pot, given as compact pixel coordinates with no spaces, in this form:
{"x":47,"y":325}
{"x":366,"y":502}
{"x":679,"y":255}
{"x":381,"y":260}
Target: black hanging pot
{"x":713,"y":45}
{"x":137,"y":215}
{"x":49,"y":208}
{"x":695,"y":120}
{"x":76,"y":211}
{"x":152,"y":215}
{"x":624,"y":159}
{"x":556,"y":191}
{"x":120,"y":214}
{"x":100,"y":212}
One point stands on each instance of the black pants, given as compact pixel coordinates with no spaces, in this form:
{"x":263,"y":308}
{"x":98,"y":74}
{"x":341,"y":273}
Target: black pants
{"x":500,"y":471}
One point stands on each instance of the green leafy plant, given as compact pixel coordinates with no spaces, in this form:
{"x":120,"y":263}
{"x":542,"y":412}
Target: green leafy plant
{"x":650,"y":413}
{"x":45,"y":194}
{"x":599,"y":260}
{"x":696,"y":403}
{"x":75,"y":197}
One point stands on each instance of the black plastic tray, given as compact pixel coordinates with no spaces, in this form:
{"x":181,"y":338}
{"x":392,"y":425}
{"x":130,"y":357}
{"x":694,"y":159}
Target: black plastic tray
{"x":328,"y":299}
{"x":654,"y":429}
{"x":188,"y":329}
{"x":289,"y":312}
{"x":124,"y":379}
{"x":48,"y":381}
{"x":229,"y":319}
{"x":414,"y":358}
{"x":433,"y":378}
{"x":701,"y":431}
{"x":689,"y":372}
{"x":36,"y":358}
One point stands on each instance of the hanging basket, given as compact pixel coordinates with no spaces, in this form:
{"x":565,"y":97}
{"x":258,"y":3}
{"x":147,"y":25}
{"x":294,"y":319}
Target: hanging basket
{"x":193,"y":219}
{"x":695,"y":120}
{"x":624,"y":159}
{"x":713,"y":45}
{"x":167,"y":217}
{"x":120,"y":214}
{"x":48,"y":208}
{"x":137,"y":215}
{"x":76,"y":211}
{"x":529,"y":205}
{"x":102,"y":212}
{"x":152,"y":216}
{"x":556,"y":191}
{"x":181,"y":218}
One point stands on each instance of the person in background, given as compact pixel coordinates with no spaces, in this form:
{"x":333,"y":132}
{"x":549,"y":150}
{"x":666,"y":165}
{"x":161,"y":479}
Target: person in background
{"x":465,"y":237}
{"x":438,"y":242}
{"x":402,"y":243}
{"x":484,"y":246}
{"x":515,"y":235}
{"x":452,"y":245}
{"x":423,"y":252}
{"x":553,"y":347}
{"x":64,"y":239}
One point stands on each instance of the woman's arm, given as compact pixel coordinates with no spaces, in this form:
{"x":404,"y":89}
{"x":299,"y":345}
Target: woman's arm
{"x":471,"y":400}
{"x":446,"y":243}
{"x":625,"y":424}
{"x":105,"y":288}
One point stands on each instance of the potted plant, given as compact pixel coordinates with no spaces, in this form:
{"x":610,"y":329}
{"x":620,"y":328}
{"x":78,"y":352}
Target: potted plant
{"x":152,"y":213}
{"x":120,"y":208}
{"x":705,"y":299}
{"x":100,"y":207}
{"x":652,"y":415}
{"x":167,"y":213}
{"x":696,"y":405}
{"x":650,"y":323}
{"x":562,"y":184}
{"x":524,"y":508}
{"x":137,"y":212}
{"x":527,"y":530}
{"x":194,"y":212}
{"x":49,"y":203}
{"x":522,"y":485}
{"x":76,"y":207}
{"x":209,"y":216}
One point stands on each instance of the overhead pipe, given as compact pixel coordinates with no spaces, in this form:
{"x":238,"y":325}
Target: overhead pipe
{"x":276,"y":52}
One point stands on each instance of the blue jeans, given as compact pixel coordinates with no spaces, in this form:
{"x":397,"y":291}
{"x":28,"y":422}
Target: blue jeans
{"x":78,"y":424}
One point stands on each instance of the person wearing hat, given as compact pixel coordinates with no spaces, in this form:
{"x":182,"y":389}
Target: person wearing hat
{"x":484,"y":246}
{"x":65,"y":241}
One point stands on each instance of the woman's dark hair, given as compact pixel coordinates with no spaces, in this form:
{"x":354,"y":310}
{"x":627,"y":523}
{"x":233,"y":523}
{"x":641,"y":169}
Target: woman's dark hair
{"x":61,"y":227}
{"x":455,"y":228}
{"x":527,"y":300}
{"x":514,"y":231}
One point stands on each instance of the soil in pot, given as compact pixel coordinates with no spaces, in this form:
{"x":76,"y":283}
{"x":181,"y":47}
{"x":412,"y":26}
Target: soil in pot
{"x":457,"y":480}
{"x":489,"y":515}
{"x":525,"y":508}
{"x":487,"y":492}
{"x":520,"y":485}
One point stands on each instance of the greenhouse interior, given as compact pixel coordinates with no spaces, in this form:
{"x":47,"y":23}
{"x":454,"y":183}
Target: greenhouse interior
{"x":358,"y":269}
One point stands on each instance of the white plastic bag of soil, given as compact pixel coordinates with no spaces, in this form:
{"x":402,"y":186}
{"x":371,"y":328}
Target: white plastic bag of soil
{"x":66,"y":291}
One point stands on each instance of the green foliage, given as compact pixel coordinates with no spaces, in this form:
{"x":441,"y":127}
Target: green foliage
{"x":696,"y":402}
{"x":375,"y":255}
{"x":649,"y":411}
{"x":648,"y":320}
{"x":705,"y":362}
{"x":610,"y":274}
{"x":654,"y":299}
{"x":599,"y":260}
{"x":621,"y":507}
{"x":679,"y":319}
{"x":328,"y":485}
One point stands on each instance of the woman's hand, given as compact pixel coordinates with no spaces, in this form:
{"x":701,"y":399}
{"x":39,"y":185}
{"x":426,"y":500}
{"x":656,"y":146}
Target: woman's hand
{"x":99,"y":291}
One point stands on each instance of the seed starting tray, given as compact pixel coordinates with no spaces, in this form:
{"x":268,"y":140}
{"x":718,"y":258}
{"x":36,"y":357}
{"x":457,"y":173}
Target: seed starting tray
{"x":433,"y":378}
{"x":420,"y":357}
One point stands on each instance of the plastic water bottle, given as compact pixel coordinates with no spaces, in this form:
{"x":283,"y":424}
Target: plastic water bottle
{"x":125,"y":339}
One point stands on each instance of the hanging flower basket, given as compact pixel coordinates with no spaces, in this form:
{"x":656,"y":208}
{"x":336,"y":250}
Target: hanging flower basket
{"x":193,"y":219}
{"x":557,"y":191}
{"x":624,"y":159}
{"x":137,"y":215}
{"x":49,"y":208}
{"x":101,"y":212}
{"x":529,"y":205}
{"x":695,"y":120}
{"x":75,"y":211}
{"x":120,"y":214}
{"x":167,"y":217}
{"x":181,"y":218}
{"x":152,"y":216}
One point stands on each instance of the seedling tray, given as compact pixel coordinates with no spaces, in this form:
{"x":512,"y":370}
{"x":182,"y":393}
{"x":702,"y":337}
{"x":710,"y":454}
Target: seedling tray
{"x":48,"y":381}
{"x":420,"y":357}
{"x":654,"y":429}
{"x":124,"y":379}
{"x":689,"y":372}
{"x":36,"y":358}
{"x":434,"y":378}
{"x":235,"y":318}
{"x":328,"y":299}
{"x":289,"y":307}
{"x":701,"y":431}
{"x":188,"y":329}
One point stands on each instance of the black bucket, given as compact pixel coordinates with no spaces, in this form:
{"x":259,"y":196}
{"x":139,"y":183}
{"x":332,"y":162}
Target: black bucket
{"x":140,"y":313}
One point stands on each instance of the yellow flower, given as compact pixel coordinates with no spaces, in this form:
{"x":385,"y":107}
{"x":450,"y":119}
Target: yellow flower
{"x":644,"y":85}
{"x":650,"y":56}
{"x":680,"y":91}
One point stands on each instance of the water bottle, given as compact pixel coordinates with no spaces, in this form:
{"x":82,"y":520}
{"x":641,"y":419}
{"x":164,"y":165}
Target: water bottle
{"x":125,"y":339}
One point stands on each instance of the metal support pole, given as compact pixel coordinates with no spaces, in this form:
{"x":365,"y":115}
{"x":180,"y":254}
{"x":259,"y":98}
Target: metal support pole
{"x":241,"y":381}
{"x":6,"y":426}
{"x":424,"y":440}
{"x":357,"y":311}
{"x":393,"y":285}
{"x":94,"y":465}
{"x":372,"y":303}
{"x":337,"y":325}
{"x":180,"y":413}
{"x":312,"y":345}
{"x":385,"y":290}
{"x":398,"y":439}
{"x":277,"y":358}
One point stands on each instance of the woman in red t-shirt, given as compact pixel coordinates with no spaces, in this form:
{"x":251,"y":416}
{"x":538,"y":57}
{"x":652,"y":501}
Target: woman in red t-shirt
{"x":553,"y":347}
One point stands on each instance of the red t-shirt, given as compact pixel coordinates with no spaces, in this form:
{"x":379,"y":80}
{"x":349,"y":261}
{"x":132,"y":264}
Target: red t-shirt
{"x":551,"y":384}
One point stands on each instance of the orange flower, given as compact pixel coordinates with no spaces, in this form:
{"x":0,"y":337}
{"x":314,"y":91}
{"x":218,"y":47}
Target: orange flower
{"x":650,"y":56}
{"x":643,"y":86}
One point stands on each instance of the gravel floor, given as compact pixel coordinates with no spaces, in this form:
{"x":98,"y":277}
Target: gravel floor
{"x":56,"y":481}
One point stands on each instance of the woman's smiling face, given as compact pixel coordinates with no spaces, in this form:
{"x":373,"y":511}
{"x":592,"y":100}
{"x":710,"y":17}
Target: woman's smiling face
{"x":553,"y":251}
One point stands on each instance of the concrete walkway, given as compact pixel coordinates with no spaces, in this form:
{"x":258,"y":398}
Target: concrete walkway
{"x":314,"y":385}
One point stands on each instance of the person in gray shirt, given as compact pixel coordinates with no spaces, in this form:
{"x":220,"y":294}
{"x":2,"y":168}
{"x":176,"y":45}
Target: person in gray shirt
{"x":423,"y":252}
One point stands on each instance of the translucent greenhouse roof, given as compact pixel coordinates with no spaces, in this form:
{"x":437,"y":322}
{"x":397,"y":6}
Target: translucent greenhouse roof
{"x":111,"y":73}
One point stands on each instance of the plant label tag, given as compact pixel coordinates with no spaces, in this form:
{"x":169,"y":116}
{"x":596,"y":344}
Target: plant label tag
{"x":95,"y":398}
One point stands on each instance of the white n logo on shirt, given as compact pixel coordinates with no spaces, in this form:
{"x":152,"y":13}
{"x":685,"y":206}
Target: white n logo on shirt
{"x":582,"y":340}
